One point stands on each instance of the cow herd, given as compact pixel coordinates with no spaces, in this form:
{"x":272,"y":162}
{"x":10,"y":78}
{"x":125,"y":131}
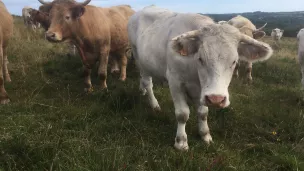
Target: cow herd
{"x":194,"y":54}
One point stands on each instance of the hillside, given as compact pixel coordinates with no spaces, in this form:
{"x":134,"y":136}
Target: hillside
{"x":51,"y":124}
{"x":291,"y":22}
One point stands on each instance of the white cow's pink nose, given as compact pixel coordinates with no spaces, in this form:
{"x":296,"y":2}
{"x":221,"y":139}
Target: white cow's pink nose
{"x":215,"y":100}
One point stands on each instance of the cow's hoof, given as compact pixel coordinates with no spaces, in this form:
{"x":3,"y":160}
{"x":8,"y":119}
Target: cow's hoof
{"x":7,"y":79}
{"x":122,"y":79}
{"x":249,"y":80}
{"x":143,"y":91}
{"x":88,"y":90}
{"x":115,"y":71}
{"x":4,"y":101}
{"x":207,"y":139}
{"x":157,"y":109}
{"x":182,"y":146}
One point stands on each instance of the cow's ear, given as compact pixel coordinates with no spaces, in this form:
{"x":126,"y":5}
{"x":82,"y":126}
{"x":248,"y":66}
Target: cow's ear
{"x":77,"y":11}
{"x":252,"y":50}
{"x":282,"y":31}
{"x":259,"y":34}
{"x":187,"y":44}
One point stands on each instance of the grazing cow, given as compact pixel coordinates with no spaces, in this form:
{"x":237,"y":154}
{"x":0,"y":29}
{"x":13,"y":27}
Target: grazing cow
{"x":246,"y":27}
{"x":28,"y":22}
{"x":6,"y":31}
{"x":195,"y":55}
{"x":277,"y":34}
{"x":96,"y":32}
{"x":300,"y":38}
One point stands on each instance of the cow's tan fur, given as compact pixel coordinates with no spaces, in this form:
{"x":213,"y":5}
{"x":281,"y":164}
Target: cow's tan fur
{"x":98,"y":33}
{"x":246,"y":27}
{"x":6,"y":31}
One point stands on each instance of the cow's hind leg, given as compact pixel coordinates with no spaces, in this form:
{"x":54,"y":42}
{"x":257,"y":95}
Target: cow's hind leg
{"x":203,"y":128}
{"x":114,"y":64}
{"x":182,"y":113}
{"x":249,"y":71}
{"x":3,"y":95}
{"x":87,"y":80}
{"x":123,"y":65}
{"x":146,"y":85}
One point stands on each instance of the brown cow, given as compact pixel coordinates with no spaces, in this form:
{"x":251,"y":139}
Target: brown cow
{"x":96,"y":32}
{"x":246,"y":27}
{"x":6,"y":31}
{"x":43,"y":18}
{"x":40,"y":17}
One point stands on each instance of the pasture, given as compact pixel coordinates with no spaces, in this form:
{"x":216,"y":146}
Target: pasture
{"x":51,"y":124}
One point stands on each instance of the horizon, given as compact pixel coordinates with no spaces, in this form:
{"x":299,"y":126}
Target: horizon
{"x":192,"y":6}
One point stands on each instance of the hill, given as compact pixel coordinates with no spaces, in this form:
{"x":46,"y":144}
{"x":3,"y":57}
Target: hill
{"x":291,"y":22}
{"x":51,"y":124}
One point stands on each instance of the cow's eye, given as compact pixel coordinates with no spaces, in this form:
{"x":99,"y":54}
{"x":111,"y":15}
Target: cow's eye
{"x":67,"y":17}
{"x":201,"y":61}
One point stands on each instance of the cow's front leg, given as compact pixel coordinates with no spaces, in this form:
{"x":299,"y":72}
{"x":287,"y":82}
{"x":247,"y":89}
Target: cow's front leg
{"x":203,"y":128}
{"x":182,"y":113}
{"x":7,"y":77}
{"x":249,"y":71}
{"x":102,"y":69}
{"x":3,"y":95}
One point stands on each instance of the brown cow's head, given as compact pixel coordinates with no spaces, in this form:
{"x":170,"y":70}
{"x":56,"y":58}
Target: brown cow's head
{"x":63,"y":15}
{"x":40,"y":17}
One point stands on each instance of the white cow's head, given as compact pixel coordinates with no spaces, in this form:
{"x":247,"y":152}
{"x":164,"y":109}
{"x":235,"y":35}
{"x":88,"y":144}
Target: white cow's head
{"x":217,"y":49}
{"x":277,"y":33}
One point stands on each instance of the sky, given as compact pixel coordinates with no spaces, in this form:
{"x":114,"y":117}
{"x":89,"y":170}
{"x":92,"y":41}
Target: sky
{"x":185,"y":6}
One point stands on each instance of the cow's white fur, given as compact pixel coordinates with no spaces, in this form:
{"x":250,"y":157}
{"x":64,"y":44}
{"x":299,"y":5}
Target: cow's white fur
{"x":156,"y":34}
{"x":277,"y":34}
{"x":300,"y":38}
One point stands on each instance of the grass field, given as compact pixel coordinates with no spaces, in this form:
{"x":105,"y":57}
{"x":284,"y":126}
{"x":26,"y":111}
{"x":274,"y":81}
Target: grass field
{"x":51,"y":124}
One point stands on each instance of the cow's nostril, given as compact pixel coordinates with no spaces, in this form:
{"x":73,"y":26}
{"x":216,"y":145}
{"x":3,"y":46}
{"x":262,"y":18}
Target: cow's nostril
{"x":50,"y":35}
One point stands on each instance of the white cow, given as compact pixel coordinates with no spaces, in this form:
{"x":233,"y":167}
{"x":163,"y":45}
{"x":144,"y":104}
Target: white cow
{"x":222,"y":22}
{"x":28,"y":22}
{"x":300,"y":38}
{"x":277,"y":34}
{"x":195,"y":55}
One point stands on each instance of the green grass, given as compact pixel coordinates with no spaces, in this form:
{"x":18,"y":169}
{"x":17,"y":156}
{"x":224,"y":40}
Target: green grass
{"x":52,"y":125}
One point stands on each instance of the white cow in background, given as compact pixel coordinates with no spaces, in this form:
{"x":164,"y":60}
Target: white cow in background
{"x":277,"y":34}
{"x":195,"y":55}
{"x":300,"y":38}
{"x":28,"y":22}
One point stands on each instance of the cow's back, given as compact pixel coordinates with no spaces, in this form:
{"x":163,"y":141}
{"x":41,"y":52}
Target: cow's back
{"x":150,"y":31}
{"x":117,"y":19}
{"x":6,"y":24}
{"x":240,"y":21}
